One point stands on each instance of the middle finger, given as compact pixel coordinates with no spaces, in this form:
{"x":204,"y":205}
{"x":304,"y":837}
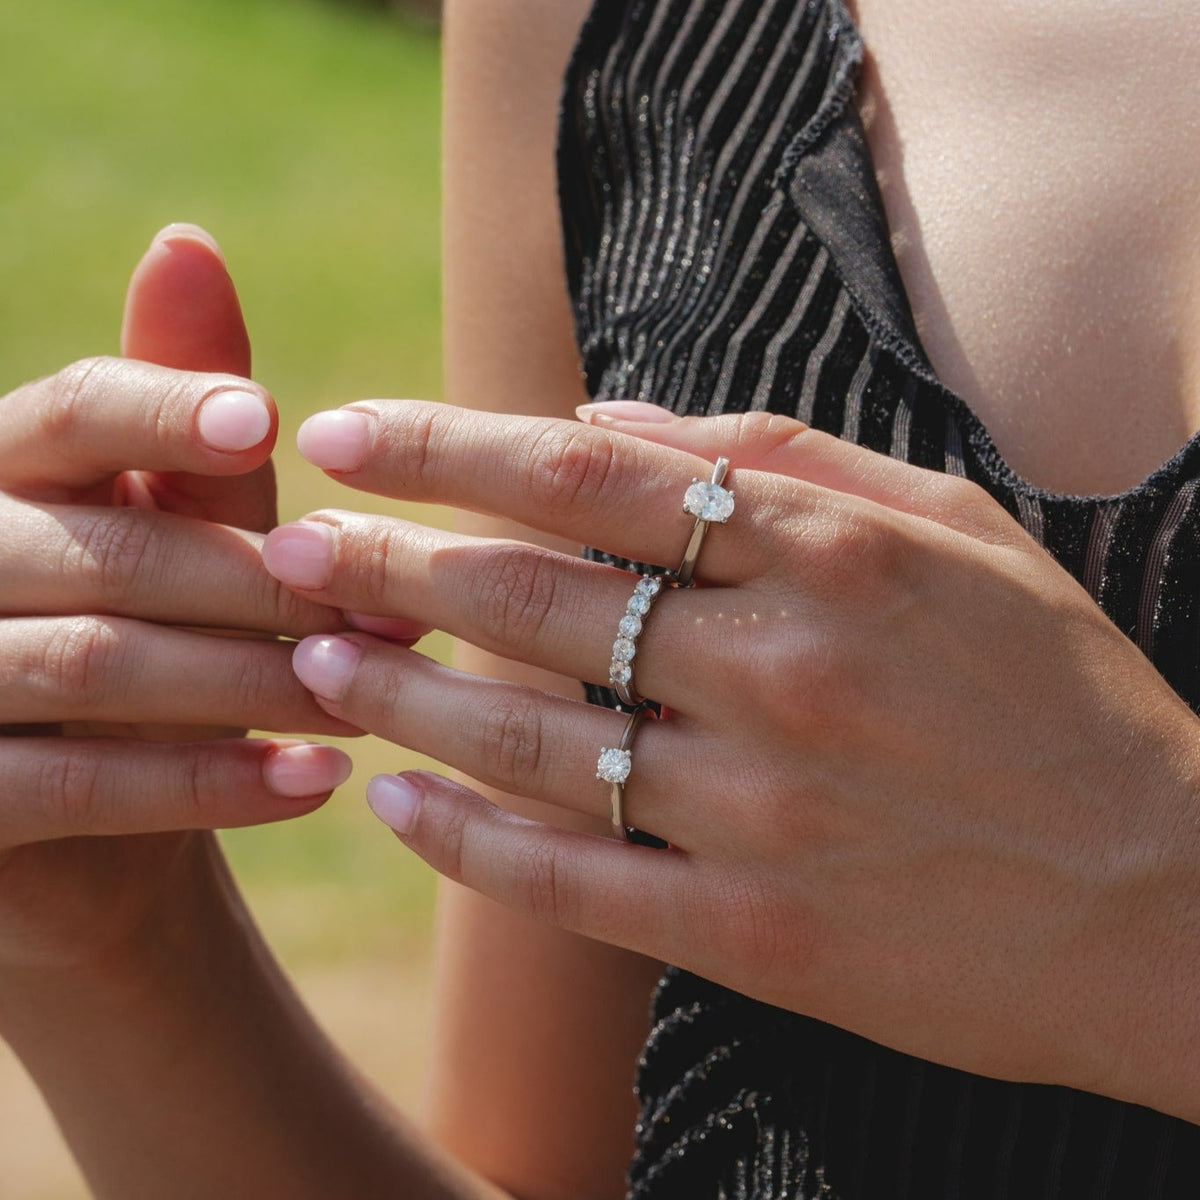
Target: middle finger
{"x":520,"y":601}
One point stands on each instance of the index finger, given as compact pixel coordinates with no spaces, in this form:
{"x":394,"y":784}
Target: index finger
{"x":101,"y":416}
{"x":609,"y":490}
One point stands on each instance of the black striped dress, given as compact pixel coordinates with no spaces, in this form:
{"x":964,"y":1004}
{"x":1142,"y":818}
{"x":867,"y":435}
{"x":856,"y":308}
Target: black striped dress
{"x":726,"y":250}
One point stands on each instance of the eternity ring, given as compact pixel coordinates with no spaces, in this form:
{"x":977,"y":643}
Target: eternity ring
{"x":710,"y":504}
{"x":614,"y":765}
{"x":620,"y":670}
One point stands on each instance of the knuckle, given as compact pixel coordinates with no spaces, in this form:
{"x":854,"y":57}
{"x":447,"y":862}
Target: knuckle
{"x":569,"y":467}
{"x":112,"y":551}
{"x":420,"y":442}
{"x":962,"y":492}
{"x":367,"y":559}
{"x":512,"y":740}
{"x":855,"y":551}
{"x":516,"y":588}
{"x":71,"y":789}
{"x":69,"y":396}
{"x":753,"y":932}
{"x":192,"y":775}
{"x":766,"y":434}
{"x":258,"y":687}
{"x":81,"y":658}
{"x":550,"y":892}
{"x":452,"y":852}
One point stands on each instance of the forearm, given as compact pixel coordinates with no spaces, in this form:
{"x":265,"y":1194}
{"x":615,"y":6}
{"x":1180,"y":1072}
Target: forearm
{"x":186,"y":1066}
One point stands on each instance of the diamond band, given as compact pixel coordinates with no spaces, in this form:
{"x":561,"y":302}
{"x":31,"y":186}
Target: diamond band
{"x":620,"y":670}
{"x":613,"y":767}
{"x":710,"y":504}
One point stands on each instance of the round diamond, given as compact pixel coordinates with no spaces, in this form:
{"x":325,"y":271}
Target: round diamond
{"x":613,"y":765}
{"x":649,"y":585}
{"x":639,"y":605}
{"x":708,"y":502}
{"x":630,"y":626}
{"x":619,"y":672}
{"x":623,"y":650}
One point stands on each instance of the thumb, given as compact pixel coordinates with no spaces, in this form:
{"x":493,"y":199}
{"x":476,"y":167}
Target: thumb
{"x":182,"y":311}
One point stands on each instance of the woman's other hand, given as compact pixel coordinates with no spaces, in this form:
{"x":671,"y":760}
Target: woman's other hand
{"x":913,"y":780}
{"x":133,"y":495}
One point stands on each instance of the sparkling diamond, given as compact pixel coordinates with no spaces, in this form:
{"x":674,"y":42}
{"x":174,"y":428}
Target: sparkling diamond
{"x":639,"y":605}
{"x":708,"y":502}
{"x":613,"y":766}
{"x":630,"y":626}
{"x":623,"y":650}
{"x":649,"y":585}
{"x":619,"y":672}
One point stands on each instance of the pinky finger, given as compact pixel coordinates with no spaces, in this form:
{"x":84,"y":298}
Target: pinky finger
{"x":617,"y":892}
{"x":62,"y":787}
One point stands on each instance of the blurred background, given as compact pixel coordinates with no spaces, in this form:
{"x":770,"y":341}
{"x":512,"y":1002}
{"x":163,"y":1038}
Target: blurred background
{"x":304,"y":135}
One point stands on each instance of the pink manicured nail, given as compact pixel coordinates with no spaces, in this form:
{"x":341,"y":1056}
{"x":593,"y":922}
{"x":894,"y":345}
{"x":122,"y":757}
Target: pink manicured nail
{"x":300,"y":554}
{"x":606,"y":412}
{"x":336,"y":441}
{"x":393,"y":629}
{"x":325,"y":665}
{"x":395,"y":801}
{"x":233,"y":421}
{"x":299,"y":771}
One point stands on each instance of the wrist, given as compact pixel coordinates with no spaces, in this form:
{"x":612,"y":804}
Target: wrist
{"x":148,"y":975}
{"x":1149,"y":968}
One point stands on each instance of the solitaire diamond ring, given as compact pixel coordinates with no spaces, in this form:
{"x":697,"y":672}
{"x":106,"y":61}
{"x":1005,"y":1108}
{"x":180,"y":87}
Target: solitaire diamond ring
{"x":710,"y":504}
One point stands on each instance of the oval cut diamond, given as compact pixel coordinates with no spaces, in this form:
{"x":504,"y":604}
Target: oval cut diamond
{"x":708,"y":502}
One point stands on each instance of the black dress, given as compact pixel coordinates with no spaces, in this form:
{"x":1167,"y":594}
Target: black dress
{"x":726,"y":250}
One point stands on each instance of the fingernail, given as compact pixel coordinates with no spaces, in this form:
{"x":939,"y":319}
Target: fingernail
{"x":233,"y":421}
{"x":607,"y":412}
{"x":300,"y":554}
{"x":186,"y":231}
{"x":325,"y":665}
{"x":298,"y":771}
{"x":394,"y":629}
{"x":395,"y":801}
{"x":335,"y":441}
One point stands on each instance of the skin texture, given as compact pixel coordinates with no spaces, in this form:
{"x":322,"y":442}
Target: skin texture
{"x":1073,"y":823}
{"x":1038,"y":164}
{"x":78,"y":659}
{"x":129,"y":968}
{"x":881,"y":835}
{"x":1070,"y":835}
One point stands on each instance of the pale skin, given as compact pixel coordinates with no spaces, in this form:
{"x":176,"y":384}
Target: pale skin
{"x":846,"y":855}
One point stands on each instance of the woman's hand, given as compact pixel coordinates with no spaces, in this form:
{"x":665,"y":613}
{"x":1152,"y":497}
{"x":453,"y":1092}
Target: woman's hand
{"x":914,"y":782}
{"x":119,"y":713}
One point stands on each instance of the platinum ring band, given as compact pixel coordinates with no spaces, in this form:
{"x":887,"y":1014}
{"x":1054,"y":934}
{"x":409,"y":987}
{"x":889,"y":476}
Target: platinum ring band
{"x":710,"y":504}
{"x":614,"y":766}
{"x":620,"y":671}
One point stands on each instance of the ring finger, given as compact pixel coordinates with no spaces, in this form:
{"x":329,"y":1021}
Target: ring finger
{"x":518,"y":739}
{"x":520,"y":601}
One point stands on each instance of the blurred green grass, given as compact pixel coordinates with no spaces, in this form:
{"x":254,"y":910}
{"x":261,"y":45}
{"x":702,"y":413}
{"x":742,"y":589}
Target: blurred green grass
{"x":304,"y":135}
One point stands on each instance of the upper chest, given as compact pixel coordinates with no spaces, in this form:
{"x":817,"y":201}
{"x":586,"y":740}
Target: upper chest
{"x":1040,"y":167}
